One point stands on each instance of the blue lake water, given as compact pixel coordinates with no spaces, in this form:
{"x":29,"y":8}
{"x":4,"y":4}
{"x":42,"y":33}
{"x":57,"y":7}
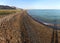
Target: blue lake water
{"x":47,"y":16}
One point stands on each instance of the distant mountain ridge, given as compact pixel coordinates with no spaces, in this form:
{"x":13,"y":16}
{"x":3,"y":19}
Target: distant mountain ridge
{"x":7,"y":7}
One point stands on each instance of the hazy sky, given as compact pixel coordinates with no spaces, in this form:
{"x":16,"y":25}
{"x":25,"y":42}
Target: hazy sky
{"x":33,"y":4}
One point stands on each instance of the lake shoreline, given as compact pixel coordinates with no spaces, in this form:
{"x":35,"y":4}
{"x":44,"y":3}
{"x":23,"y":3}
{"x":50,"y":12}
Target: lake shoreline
{"x":44,"y":23}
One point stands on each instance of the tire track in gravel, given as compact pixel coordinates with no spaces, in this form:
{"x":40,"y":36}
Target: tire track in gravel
{"x":31,"y":33}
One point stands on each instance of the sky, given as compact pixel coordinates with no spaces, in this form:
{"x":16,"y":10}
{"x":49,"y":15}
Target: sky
{"x":32,"y":4}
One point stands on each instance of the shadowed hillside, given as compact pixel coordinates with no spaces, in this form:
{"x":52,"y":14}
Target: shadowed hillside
{"x":6,"y":7}
{"x":21,"y":28}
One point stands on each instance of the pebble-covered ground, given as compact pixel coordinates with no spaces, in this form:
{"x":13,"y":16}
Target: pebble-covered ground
{"x":10,"y":29}
{"x":21,"y":28}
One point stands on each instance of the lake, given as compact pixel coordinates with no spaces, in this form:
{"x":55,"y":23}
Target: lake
{"x":46,"y":15}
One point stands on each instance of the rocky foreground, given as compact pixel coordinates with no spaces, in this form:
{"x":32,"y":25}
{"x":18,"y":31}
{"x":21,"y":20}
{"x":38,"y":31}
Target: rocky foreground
{"x":21,"y":28}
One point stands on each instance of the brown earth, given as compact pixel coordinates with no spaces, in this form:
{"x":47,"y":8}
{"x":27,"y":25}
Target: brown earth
{"x":1,"y":16}
{"x":21,"y":28}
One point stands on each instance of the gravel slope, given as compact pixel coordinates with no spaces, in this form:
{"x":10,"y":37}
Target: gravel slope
{"x":21,"y":28}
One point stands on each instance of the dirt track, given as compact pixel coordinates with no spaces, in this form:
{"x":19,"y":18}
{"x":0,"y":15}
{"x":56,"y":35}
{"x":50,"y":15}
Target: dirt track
{"x":10,"y":29}
{"x":21,"y":28}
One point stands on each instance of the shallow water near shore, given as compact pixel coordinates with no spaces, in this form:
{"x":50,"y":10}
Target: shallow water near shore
{"x":47,"y":15}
